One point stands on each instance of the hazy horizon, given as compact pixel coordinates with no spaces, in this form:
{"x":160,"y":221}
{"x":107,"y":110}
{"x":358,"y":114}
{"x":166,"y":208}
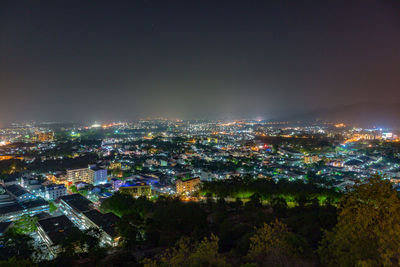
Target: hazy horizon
{"x":85,"y":61}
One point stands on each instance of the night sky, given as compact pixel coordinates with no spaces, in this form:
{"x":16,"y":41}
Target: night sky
{"x":94,"y":60}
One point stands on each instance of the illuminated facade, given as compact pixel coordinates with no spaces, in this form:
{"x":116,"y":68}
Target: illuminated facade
{"x":92,"y":175}
{"x":45,"y":136}
{"x":136,"y":189}
{"x":53,"y":230}
{"x":14,"y":211}
{"x":187,"y":186}
{"x":52,"y":192}
{"x":311,"y":159}
{"x":106,"y":223}
{"x":80,"y":175}
{"x":115,"y":165}
{"x":81,"y":210}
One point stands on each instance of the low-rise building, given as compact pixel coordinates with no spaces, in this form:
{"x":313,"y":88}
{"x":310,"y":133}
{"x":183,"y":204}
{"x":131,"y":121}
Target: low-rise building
{"x":19,"y":193}
{"x":30,"y":184}
{"x":54,"y":191}
{"x":74,"y":206}
{"x":105,"y":222}
{"x":136,"y":189}
{"x":53,"y":230}
{"x":116,"y":183}
{"x":13,"y":212}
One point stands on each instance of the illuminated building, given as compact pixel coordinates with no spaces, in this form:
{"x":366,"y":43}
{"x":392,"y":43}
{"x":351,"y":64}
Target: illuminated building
{"x":337,"y":163}
{"x":311,"y":159}
{"x":105,"y":223}
{"x":115,"y":165}
{"x":52,"y":192}
{"x":187,"y":186}
{"x":80,"y":208}
{"x":14,"y":211}
{"x":7,"y":157}
{"x":58,"y":178}
{"x":91,"y":175}
{"x":340,"y":125}
{"x":77,"y":175}
{"x":19,"y":193}
{"x":136,"y":189}
{"x":45,"y":136}
{"x":387,"y":135}
{"x":99,"y":175}
{"x":75,"y":205}
{"x":212,"y":140}
{"x":53,"y":230}
{"x":116,"y":183}
{"x":95,"y":125}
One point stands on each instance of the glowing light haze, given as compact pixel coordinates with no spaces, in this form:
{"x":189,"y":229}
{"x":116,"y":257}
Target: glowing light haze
{"x":103,"y":60}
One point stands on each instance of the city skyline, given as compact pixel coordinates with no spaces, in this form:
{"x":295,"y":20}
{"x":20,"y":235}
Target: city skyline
{"x":199,"y":133}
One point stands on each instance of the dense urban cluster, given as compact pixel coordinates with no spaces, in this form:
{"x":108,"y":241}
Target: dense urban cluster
{"x":195,"y":193}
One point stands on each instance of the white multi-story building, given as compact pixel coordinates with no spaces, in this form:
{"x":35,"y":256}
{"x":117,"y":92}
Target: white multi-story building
{"x":80,"y":175}
{"x":52,"y":192}
{"x":99,"y":175}
{"x":91,"y":175}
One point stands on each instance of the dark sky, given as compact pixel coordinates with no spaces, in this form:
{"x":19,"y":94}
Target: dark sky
{"x":94,"y":60}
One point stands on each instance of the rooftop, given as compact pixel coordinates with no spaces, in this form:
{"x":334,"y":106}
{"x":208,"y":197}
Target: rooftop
{"x":77,"y":202}
{"x":4,"y":226}
{"x":106,"y":222}
{"x":15,"y":207}
{"x":132,"y":183}
{"x":56,"y":228}
{"x":16,"y":190}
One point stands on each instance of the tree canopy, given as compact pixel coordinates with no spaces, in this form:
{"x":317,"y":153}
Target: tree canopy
{"x":368,"y":228}
{"x":187,"y":253}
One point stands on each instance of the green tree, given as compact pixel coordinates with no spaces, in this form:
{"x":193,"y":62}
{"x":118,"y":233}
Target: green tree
{"x":119,"y":204}
{"x":14,"y":262}
{"x":52,"y":207}
{"x":25,"y":225}
{"x":73,"y":189}
{"x":185,"y":253}
{"x":120,"y":258}
{"x":368,"y":228}
{"x":79,"y":242}
{"x":274,"y":245}
{"x":15,"y":244}
{"x":129,"y":232}
{"x":255,"y":200}
{"x":279,"y":205}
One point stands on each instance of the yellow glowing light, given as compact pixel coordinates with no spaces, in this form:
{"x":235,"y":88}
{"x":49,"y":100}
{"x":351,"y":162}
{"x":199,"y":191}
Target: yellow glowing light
{"x":96,"y":125}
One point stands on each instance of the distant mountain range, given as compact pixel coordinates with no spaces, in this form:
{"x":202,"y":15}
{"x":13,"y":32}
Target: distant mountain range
{"x":362,"y":115}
